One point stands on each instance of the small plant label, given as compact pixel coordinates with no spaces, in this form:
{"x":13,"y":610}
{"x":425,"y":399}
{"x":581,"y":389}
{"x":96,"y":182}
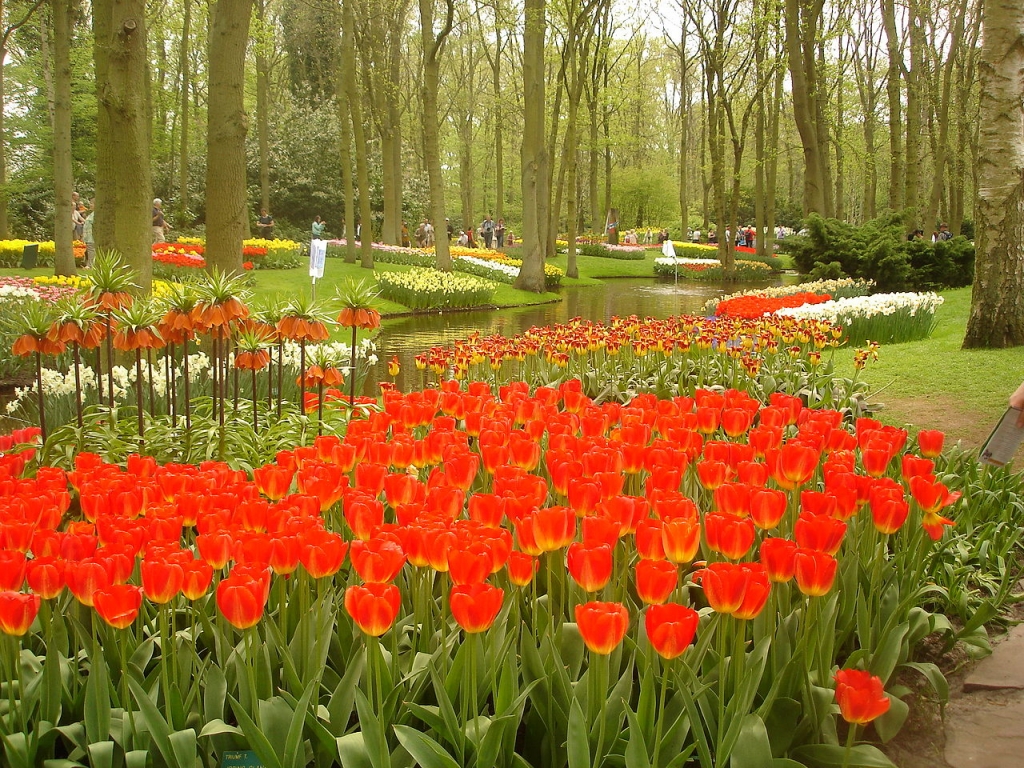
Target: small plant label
{"x":241,"y":758}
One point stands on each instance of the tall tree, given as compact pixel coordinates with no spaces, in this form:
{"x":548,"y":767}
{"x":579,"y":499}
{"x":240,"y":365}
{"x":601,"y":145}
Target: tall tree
{"x":124,"y":183}
{"x":802,"y":28}
{"x":355,"y":115}
{"x":997,"y":299}
{"x":184,"y":112}
{"x":433,"y":44}
{"x":63,"y":177}
{"x":534,"y":153}
{"x":227,"y":209}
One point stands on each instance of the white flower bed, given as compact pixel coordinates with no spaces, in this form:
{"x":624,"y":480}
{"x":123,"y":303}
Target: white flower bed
{"x":843,"y":311}
{"x":493,"y":266}
{"x":669,"y":261}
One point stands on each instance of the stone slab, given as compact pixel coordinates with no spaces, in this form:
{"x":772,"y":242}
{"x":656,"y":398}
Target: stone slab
{"x":1004,"y":669}
{"x":986,"y":734}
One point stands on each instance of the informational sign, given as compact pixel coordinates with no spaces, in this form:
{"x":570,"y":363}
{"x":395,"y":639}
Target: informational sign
{"x":1004,"y":441}
{"x":317,"y":257}
{"x":240,"y":758}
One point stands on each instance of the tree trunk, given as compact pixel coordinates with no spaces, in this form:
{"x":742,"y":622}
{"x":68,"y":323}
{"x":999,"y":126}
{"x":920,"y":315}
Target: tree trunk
{"x":184,"y":114}
{"x":354,"y":99}
{"x":534,"y":151}
{"x":897,"y":164}
{"x":63,"y":180}
{"x":916,"y":92}
{"x":346,"y":170}
{"x":997,"y":301}
{"x":263,"y":105}
{"x":433,"y":46}
{"x":227,"y":209}
{"x":801,"y":31}
{"x":124,"y":188}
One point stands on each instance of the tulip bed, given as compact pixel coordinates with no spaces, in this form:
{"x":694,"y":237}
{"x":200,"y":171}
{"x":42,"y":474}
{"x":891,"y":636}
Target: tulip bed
{"x":477,"y":577}
{"x":422,"y":288}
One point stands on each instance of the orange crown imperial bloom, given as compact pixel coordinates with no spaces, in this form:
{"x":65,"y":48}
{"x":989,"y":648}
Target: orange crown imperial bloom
{"x":860,"y":695}
{"x":367,"y":319}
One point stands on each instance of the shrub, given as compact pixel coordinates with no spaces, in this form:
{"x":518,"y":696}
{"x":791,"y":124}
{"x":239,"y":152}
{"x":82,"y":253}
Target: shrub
{"x":879,"y":251}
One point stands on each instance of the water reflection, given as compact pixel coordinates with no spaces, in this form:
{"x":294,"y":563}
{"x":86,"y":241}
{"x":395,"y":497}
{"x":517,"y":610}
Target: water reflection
{"x":408,"y":336}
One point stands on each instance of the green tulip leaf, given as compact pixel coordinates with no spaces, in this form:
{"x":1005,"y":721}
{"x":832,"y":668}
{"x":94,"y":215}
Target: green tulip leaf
{"x":889,"y":724}
{"x":352,"y":751}
{"x":424,"y":750}
{"x":577,"y":743}
{"x":832,"y":756}
{"x":752,"y":749}
{"x":636,"y":748}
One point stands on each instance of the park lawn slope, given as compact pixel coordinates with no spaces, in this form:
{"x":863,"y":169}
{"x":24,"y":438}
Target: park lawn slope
{"x":934,"y":383}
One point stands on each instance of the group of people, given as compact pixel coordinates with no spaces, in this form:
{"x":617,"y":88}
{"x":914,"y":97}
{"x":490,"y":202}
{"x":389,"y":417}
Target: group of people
{"x":491,"y":233}
{"x":942,"y":234}
{"x":632,"y":238}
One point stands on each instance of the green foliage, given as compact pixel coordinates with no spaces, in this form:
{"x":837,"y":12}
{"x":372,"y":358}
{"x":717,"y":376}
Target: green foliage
{"x":879,"y":251}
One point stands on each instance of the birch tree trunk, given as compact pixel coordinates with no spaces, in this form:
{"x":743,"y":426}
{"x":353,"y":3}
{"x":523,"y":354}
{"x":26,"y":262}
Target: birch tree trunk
{"x":433,"y":46}
{"x":997,"y":300}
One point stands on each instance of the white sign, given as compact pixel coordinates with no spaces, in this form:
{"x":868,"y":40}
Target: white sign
{"x":317,"y":257}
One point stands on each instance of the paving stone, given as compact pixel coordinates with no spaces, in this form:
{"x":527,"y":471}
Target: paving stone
{"x":986,"y":734}
{"x":1004,"y":668}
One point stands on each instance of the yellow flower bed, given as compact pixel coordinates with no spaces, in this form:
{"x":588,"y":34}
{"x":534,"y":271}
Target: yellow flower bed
{"x":160,"y":287}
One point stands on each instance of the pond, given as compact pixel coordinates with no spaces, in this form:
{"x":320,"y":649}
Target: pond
{"x":408,"y":336}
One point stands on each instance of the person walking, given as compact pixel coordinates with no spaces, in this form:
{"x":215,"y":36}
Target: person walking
{"x":428,"y":231}
{"x":160,"y":225}
{"x":499,"y":233}
{"x":487,"y":230}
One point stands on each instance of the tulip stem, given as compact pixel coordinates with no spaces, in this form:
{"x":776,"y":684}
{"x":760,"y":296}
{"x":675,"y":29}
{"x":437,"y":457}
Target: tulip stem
{"x":250,"y":668}
{"x":599,"y":670}
{"x":472,"y":640}
{"x":78,"y":383}
{"x":165,"y":657}
{"x":352,"y":379}
{"x":122,"y":645}
{"x":42,"y":397}
{"x":851,"y":736}
{"x":666,"y":663}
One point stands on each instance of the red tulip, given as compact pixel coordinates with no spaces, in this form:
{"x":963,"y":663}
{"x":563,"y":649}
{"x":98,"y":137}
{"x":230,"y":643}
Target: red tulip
{"x":85,"y":577}
{"x":824,"y":534}
{"x":12,"y":570}
{"x":680,"y":538}
{"x":815,"y":572}
{"x":161,"y":580}
{"x":242,"y":598}
{"x":475,"y":606}
{"x":198,"y":574}
{"x":792,"y":465}
{"x":725,"y":585}
{"x":322,"y":553}
{"x":649,"y":539}
{"x":933,"y":524}
{"x":670,"y":628}
{"x":553,"y":528}
{"x":888,"y":514}
{"x":364,"y":514}
{"x":215,"y":548}
{"x":377,"y":560}
{"x":469,"y":563}
{"x":602,"y":625}
{"x":118,"y":605}
{"x":655,"y":580}
{"x":930,"y":441}
{"x":45,"y":576}
{"x":767,"y":507}
{"x":521,"y":568}
{"x":712,"y":473}
{"x":777,"y":557}
{"x":273,"y":481}
{"x":373,"y":607}
{"x":590,"y":565}
{"x":17,"y":612}
{"x":860,"y":695}
{"x":931,"y":496}
{"x":730,"y":535}
{"x":584,"y":496}
{"x":757,"y":591}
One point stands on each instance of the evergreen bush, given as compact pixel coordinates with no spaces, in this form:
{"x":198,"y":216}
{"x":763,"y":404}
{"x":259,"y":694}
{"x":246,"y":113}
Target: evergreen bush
{"x":879,"y":250}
